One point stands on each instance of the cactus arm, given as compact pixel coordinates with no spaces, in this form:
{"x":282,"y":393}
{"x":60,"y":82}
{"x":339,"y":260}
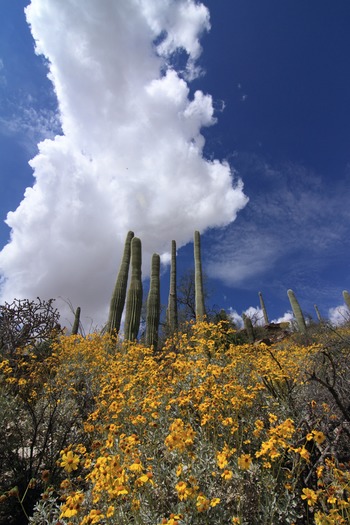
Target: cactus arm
{"x":248,"y":325}
{"x":319,"y":317}
{"x":75,"y":327}
{"x":119,"y":294}
{"x":172,"y":317}
{"x":298,"y":314}
{"x":134,"y":297}
{"x":200,"y":307}
{"x":153,"y":304}
{"x":263,"y":308}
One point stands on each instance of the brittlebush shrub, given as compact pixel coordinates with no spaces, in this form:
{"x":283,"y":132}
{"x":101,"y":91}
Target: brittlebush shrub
{"x":203,"y":432}
{"x":44,"y":400}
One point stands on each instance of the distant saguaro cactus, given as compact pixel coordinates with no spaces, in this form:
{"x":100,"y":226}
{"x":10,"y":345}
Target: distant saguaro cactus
{"x":263,"y":308}
{"x":346,"y":296}
{"x":119,"y":294}
{"x":200,"y":307}
{"x":153,"y":304}
{"x":248,"y":325}
{"x":298,"y":314}
{"x":319,"y":317}
{"x":172,"y":318}
{"x":75,"y":326}
{"x":134,"y":298}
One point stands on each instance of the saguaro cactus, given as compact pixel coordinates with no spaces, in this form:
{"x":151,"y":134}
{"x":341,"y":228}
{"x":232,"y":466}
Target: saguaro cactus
{"x":248,"y":325}
{"x":75,"y":327}
{"x":319,"y":317}
{"x":298,"y":314}
{"x":153,"y":304}
{"x":346,"y":296}
{"x":118,"y":298}
{"x":172,"y":318}
{"x":134,"y":298}
{"x":198,"y":278}
{"x":262,"y":306}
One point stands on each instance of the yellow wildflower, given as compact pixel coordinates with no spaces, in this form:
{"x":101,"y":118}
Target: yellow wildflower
{"x":244,"y":461}
{"x":259,"y":425}
{"x":69,"y":461}
{"x":221,"y":459}
{"x":272,"y":418}
{"x":182,"y":490}
{"x":310,"y":496}
{"x":72,"y":505}
{"x":136,"y":467}
{"x":144,"y":479}
{"x":303,"y":453}
{"x":120,"y":491}
{"x":318,"y":436}
{"x":202,"y":503}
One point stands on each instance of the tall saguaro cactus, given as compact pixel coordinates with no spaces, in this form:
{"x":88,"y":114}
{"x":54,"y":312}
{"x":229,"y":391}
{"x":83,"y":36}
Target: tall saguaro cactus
{"x":263,"y":308}
{"x":319,"y":317}
{"x":248,"y":325}
{"x":198,"y":278}
{"x":75,"y":327}
{"x":134,"y":298}
{"x":298,"y":314}
{"x":153,"y":304}
{"x":172,"y":318}
{"x":119,"y":294}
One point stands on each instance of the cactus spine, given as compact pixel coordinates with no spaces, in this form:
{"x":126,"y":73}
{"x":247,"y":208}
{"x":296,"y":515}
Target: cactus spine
{"x":75,"y":327}
{"x":346,"y":296}
{"x":263,"y":308}
{"x":134,"y":298}
{"x":200,"y":307}
{"x":172,"y":319}
{"x":153,"y":304}
{"x":119,"y":294}
{"x":298,"y":314}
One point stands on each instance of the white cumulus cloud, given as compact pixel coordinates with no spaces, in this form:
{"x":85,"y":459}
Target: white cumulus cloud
{"x":339,"y":315}
{"x":131,"y":153}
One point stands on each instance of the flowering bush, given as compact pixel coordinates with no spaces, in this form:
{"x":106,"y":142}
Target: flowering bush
{"x":203,"y":432}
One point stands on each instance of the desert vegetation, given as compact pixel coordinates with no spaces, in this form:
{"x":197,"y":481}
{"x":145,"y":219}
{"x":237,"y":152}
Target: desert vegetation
{"x":199,"y":423}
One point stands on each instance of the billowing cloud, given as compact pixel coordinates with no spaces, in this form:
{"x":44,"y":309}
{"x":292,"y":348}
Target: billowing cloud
{"x":339,"y":315}
{"x":254,"y":313}
{"x":287,"y":317}
{"x":131,"y":152}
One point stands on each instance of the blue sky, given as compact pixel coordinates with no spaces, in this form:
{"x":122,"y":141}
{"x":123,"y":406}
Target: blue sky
{"x":279,"y":81}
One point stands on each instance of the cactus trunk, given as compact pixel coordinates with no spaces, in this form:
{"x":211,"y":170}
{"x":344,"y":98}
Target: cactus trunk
{"x":75,"y":327}
{"x":172,"y":318}
{"x":134,"y":298}
{"x":153,"y":304}
{"x":319,"y":317}
{"x":262,"y":306}
{"x":248,"y":325}
{"x":200,"y":307}
{"x":119,"y":294}
{"x":298,"y":314}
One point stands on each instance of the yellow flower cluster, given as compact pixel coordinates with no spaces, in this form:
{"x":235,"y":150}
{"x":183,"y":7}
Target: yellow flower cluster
{"x":181,"y":436}
{"x":204,"y":431}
